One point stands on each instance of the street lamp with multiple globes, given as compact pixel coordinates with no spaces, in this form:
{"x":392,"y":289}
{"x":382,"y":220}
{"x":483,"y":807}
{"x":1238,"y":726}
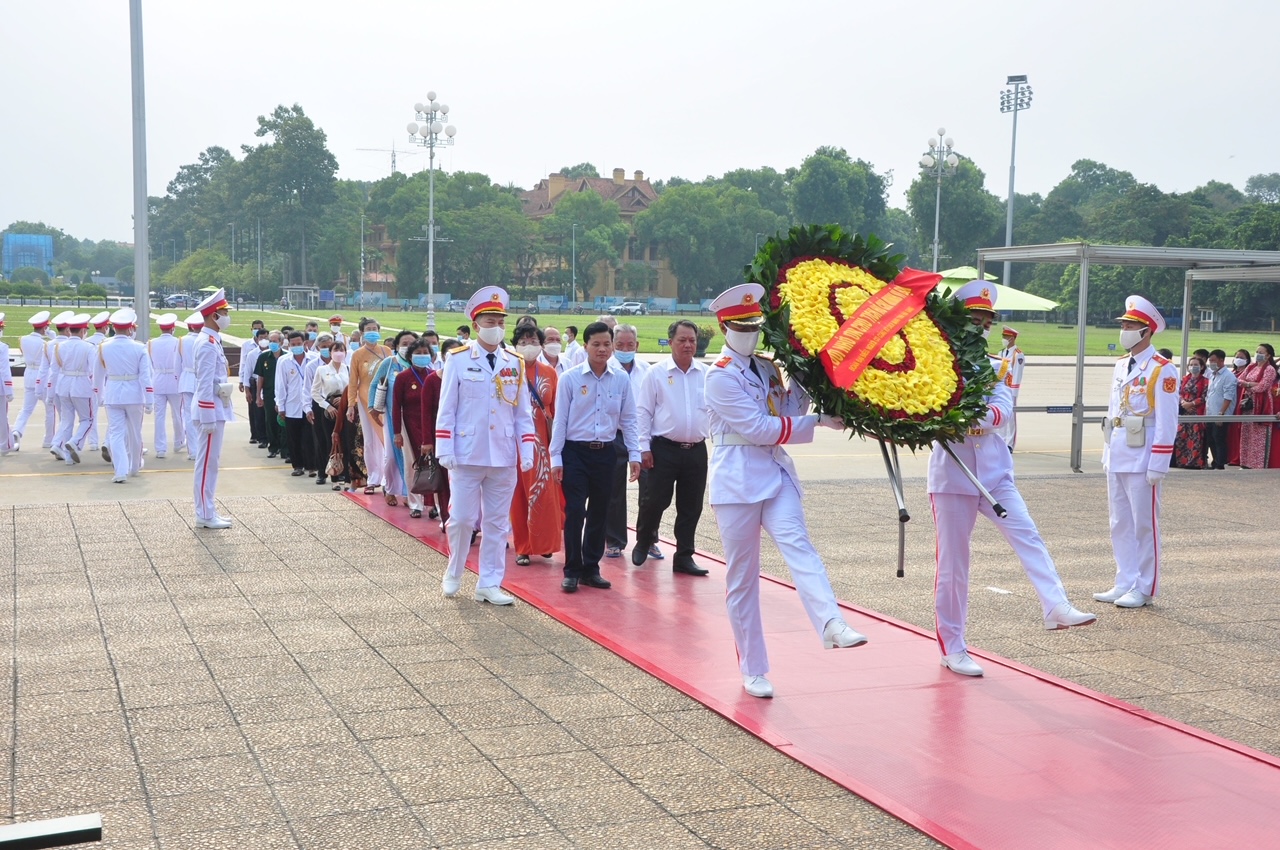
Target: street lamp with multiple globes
{"x":935,"y":162}
{"x":1013,"y":100}
{"x":431,"y":132}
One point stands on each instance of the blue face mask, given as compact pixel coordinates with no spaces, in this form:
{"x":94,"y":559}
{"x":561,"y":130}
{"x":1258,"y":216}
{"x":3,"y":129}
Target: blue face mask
{"x":422,"y":361}
{"x":273,"y":346}
{"x":312,"y":334}
{"x":295,"y":350}
{"x":372,"y":337}
{"x":324,"y":354}
{"x":624,"y":357}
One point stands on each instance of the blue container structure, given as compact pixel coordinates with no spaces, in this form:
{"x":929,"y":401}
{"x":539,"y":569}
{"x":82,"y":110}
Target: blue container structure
{"x":20,"y":250}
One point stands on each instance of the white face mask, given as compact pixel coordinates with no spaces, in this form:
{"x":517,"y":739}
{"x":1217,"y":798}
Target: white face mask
{"x":743,"y":342}
{"x":986,"y":333}
{"x":335,"y":329}
{"x":491,"y":336}
{"x":552,"y":349}
{"x":1240,"y":362}
{"x":222,"y":321}
{"x":1128,"y":339}
{"x":528,"y":352}
{"x":404,"y":352}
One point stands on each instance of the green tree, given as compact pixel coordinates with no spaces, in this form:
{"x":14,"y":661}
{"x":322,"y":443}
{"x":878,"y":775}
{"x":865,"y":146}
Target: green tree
{"x":768,"y":185}
{"x":28,"y":289}
{"x":1263,"y":188}
{"x":92,"y":290}
{"x":487,"y":241}
{"x":582,"y":169}
{"x":832,"y":188}
{"x":601,"y":234}
{"x":29,"y":274}
{"x":971,"y":216}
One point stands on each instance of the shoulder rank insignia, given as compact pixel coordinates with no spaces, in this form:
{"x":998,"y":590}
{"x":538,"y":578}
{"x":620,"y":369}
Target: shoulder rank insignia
{"x":1161,"y":360}
{"x":724,"y":361}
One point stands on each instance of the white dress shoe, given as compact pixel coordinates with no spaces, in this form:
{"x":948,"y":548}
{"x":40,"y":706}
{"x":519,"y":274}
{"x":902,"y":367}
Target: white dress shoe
{"x":960,"y":662}
{"x":159,"y":454}
{"x":1111,"y":595}
{"x":1064,"y":615}
{"x":71,"y":452}
{"x":216,"y":522}
{"x":757,"y":686}
{"x":838,"y":634}
{"x":57,"y":452}
{"x":1133,"y":599}
{"x":494,"y":596}
{"x":119,"y":479}
{"x":450,"y":586}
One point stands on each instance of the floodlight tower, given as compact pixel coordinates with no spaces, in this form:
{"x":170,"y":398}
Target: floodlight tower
{"x":1013,"y":100}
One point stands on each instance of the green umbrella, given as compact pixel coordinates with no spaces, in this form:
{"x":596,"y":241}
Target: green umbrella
{"x":1007,"y":297}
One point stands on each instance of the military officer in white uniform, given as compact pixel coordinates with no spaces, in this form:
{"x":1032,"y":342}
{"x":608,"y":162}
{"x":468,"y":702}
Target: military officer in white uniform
{"x":100,"y":322}
{"x":754,"y":485}
{"x":187,"y":378}
{"x":74,"y":360}
{"x":166,"y":366}
{"x":211,"y":407}
{"x":1138,"y":435}
{"x":49,"y":376}
{"x":956,"y":504}
{"x":1009,"y":371}
{"x":125,"y":372}
{"x":6,"y":395}
{"x":483,"y":428}
{"x":32,"y":346}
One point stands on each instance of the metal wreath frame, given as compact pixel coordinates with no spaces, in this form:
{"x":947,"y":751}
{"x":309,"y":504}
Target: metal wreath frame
{"x":1200,"y":264}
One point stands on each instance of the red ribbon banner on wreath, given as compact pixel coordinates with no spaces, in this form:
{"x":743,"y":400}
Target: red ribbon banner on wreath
{"x":873,"y":324}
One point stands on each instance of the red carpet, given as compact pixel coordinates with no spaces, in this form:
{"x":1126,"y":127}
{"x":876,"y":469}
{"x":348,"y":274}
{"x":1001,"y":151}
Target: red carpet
{"x":1016,"y":759}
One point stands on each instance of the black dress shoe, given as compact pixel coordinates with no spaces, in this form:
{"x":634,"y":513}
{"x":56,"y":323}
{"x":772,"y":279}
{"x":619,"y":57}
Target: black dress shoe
{"x":639,"y":554}
{"x":690,"y":570}
{"x":272,"y":454}
{"x":298,"y":472}
{"x":597,"y":581}
{"x":569,"y":585}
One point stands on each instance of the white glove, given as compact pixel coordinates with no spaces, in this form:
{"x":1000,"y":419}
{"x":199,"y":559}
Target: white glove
{"x":207,"y":428}
{"x":447,"y":461}
{"x":1154,"y":477}
{"x":827,"y":421}
{"x":526,"y":464}
{"x":149,"y":409}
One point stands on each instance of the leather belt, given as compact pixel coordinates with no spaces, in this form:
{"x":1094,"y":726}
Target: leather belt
{"x":74,"y":374}
{"x":686,"y":445}
{"x":593,"y":445}
{"x":1116,"y":421}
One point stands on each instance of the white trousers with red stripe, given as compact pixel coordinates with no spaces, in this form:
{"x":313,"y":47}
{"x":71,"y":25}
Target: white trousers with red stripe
{"x":1135,"y":530}
{"x":77,"y":416}
{"x":740,"y":526}
{"x":954,"y":515}
{"x":191,"y":425}
{"x":124,"y":438}
{"x":205,"y":485}
{"x":480,"y":497}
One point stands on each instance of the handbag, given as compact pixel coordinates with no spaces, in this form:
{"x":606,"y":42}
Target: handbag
{"x":428,"y":475}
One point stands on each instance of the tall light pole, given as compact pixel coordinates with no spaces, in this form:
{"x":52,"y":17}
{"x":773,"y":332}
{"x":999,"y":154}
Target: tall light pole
{"x":573,"y":263}
{"x":141,"y":205}
{"x":758,"y":235}
{"x":232,"y":224}
{"x":361,"y":301}
{"x":430,"y":133}
{"x":937,"y":160}
{"x":1013,"y":100}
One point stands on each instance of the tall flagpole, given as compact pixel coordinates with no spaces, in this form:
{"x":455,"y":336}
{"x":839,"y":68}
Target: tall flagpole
{"x":141,"y":239}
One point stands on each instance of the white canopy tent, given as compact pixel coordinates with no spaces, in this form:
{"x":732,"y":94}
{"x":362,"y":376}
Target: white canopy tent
{"x":1200,"y":263}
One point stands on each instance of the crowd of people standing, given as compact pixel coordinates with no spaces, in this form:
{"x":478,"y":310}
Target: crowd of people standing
{"x":1248,"y":385}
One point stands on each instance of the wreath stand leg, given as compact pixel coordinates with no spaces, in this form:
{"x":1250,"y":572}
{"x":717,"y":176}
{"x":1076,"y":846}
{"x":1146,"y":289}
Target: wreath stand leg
{"x":995,"y":506}
{"x":889,"y":451}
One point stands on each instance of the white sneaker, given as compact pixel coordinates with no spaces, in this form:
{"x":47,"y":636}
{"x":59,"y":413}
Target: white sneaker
{"x":71,"y":452}
{"x":494,"y":595}
{"x":17,"y":441}
{"x":757,"y":686}
{"x":119,"y":479}
{"x":1133,"y":599}
{"x":158,"y":454}
{"x":450,"y":586}
{"x":57,"y":452}
{"x":216,"y":522}
{"x":1065,"y":615}
{"x":960,"y":662}
{"x":838,"y":634}
{"x":1110,"y":595}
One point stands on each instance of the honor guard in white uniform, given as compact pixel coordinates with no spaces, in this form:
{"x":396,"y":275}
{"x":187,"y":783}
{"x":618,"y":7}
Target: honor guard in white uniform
{"x":187,"y":378}
{"x":211,"y":407}
{"x":483,"y":428}
{"x":166,"y":366}
{"x":1138,"y":434}
{"x":124,"y":369}
{"x":49,"y":373}
{"x":100,"y":322}
{"x":32,"y":346}
{"x":7,"y":442}
{"x":1009,"y":371}
{"x":956,"y":504}
{"x":74,"y":361}
{"x":754,"y":485}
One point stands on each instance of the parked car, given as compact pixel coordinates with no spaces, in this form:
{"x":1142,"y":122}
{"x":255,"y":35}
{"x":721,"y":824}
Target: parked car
{"x":631,"y":308}
{"x":456,"y":306}
{"x":181,"y":301}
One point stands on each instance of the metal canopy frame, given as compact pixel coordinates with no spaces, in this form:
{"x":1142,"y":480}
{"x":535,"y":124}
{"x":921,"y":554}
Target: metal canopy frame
{"x":1200,"y":263}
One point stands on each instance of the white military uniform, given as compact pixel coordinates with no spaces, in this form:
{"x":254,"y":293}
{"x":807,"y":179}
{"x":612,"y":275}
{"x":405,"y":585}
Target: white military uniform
{"x":100,"y":323}
{"x":753,"y":485}
{"x":49,"y":376}
{"x":125,"y":369}
{"x":74,"y":360}
{"x":32,"y":346}
{"x":1009,"y":371}
{"x":956,"y":504}
{"x":187,"y":380}
{"x":1150,"y":392}
{"x":484,"y":427}
{"x":6,"y":394}
{"x":212,"y":410}
{"x":166,"y":365}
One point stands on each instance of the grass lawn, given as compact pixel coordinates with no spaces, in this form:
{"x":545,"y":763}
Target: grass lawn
{"x":1034,"y":338}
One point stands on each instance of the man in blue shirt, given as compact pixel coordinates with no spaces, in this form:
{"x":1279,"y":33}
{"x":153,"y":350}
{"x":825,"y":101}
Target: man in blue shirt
{"x":594,"y":401}
{"x":1220,"y":401}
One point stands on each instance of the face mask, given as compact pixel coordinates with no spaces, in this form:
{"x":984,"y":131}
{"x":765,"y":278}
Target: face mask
{"x":262,"y":343}
{"x":335,"y":329}
{"x":1128,"y":339}
{"x":1213,"y":368}
{"x":422,"y":361}
{"x":625,"y":357}
{"x":743,"y":342}
{"x":312,"y":334}
{"x":372,"y":337}
{"x":1260,"y":358}
{"x":297,"y":350}
{"x":339,"y":356}
{"x":403,"y":351}
{"x":1240,"y":362}
{"x":491,"y":336}
{"x":274,"y":346}
{"x":553,"y":349}
{"x":528,"y":352}
{"x":224,"y":322}
{"x":1195,"y":370}
{"x":325,"y":354}
{"x":986,"y":333}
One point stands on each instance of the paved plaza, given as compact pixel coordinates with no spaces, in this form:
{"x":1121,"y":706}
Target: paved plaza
{"x":299,"y":682}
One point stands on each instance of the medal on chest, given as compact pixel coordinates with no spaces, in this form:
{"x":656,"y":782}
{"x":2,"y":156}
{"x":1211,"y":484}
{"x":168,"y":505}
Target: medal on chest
{"x":506,"y":382}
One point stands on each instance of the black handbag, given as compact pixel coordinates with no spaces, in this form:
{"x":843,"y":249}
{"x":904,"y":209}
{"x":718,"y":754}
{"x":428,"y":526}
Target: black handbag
{"x":428,"y":475}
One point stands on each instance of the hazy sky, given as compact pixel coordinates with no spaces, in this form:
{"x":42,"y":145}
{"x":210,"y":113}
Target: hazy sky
{"x":1175,"y":92}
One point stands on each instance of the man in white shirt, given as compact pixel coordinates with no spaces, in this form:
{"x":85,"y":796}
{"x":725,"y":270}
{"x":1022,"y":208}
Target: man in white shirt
{"x":293,"y":401}
{"x":551,"y":352}
{"x":573,"y":349}
{"x":74,"y":359}
{"x":672,"y":422}
{"x":625,"y":344}
{"x":249,"y":386}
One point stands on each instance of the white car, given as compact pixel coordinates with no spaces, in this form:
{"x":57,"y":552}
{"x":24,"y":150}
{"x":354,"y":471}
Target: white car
{"x":631,"y":308}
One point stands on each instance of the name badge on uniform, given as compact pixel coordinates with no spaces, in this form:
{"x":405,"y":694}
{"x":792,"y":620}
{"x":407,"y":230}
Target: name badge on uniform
{"x":473,"y":368}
